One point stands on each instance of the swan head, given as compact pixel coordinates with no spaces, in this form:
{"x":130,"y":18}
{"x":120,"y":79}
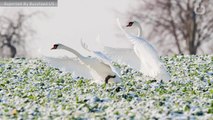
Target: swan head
{"x":132,"y":23}
{"x":57,"y":46}
{"x":135,"y":24}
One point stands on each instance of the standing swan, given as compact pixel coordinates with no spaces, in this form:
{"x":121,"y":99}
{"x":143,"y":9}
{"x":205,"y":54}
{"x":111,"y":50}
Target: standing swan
{"x":88,"y":67}
{"x":144,"y":56}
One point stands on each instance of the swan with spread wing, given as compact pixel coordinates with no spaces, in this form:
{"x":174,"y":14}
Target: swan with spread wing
{"x":142,"y":56}
{"x":99,"y":69}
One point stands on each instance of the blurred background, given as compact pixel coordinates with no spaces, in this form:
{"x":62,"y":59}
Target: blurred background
{"x":172,"y":26}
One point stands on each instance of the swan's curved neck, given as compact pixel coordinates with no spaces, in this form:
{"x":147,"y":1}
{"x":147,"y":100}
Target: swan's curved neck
{"x":71,"y":50}
{"x":137,"y":24}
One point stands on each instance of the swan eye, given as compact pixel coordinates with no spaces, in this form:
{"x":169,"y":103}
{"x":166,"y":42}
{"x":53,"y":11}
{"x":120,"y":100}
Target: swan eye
{"x":130,"y":24}
{"x":55,"y":46}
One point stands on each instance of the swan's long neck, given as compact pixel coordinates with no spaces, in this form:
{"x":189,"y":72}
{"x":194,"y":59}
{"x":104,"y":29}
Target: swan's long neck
{"x":139,"y":29}
{"x":72,"y":50}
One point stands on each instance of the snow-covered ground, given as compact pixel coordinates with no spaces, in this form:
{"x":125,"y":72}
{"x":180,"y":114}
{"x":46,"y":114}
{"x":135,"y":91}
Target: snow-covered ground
{"x":30,"y":89}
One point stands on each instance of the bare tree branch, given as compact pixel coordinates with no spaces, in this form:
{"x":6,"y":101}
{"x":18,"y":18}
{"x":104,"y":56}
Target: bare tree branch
{"x":177,"y":19}
{"x":14,"y":31}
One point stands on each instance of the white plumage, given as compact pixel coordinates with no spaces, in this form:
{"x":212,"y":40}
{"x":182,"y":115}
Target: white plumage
{"x":99,"y":69}
{"x":142,"y":56}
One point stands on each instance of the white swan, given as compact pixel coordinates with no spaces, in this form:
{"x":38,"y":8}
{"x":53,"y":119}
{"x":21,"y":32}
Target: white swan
{"x":91,"y":68}
{"x":102,"y":57}
{"x":142,"y":56}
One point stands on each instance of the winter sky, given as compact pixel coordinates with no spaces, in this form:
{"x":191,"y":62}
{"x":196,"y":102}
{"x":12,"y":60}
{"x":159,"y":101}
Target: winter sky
{"x":73,"y":20}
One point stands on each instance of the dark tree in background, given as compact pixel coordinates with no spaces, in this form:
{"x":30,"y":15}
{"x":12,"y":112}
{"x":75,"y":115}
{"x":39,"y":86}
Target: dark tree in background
{"x":14,"y":31}
{"x":178,"y":23}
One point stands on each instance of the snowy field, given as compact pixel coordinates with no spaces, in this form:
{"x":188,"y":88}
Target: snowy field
{"x":29,"y":89}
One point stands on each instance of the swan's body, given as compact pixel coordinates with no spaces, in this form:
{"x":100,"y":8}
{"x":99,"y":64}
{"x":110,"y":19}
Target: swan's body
{"x":88,"y":67}
{"x":103,"y":59}
{"x":144,"y":57}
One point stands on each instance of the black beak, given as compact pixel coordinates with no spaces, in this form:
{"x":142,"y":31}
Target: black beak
{"x":55,"y":46}
{"x":130,"y":24}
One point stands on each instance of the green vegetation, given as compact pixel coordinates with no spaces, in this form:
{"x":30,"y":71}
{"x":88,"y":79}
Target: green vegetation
{"x":29,"y":89}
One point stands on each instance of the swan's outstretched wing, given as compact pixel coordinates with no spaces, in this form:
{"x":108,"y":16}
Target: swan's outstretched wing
{"x":103,"y":58}
{"x":131,"y":37}
{"x":69,"y":65}
{"x":97,"y":54}
{"x":125,"y":56}
{"x":147,"y":55}
{"x":119,"y":25}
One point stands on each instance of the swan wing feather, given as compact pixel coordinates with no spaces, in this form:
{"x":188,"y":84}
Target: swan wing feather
{"x":72,"y":65}
{"x":102,"y":58}
{"x":107,"y":61}
{"x":131,"y":37}
{"x":152,"y":60}
{"x":124,"y":56}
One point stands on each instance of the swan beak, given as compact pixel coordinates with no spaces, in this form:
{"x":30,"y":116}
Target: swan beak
{"x":55,"y":46}
{"x":130,"y":24}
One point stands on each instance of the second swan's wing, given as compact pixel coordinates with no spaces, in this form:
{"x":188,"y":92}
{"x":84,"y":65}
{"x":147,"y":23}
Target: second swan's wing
{"x":124,"y":56}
